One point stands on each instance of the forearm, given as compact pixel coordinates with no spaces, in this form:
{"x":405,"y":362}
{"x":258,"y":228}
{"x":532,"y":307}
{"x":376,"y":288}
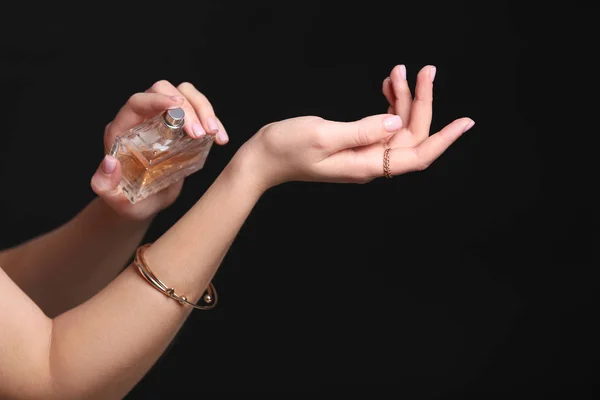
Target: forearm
{"x":67,"y":266}
{"x":103,"y":347}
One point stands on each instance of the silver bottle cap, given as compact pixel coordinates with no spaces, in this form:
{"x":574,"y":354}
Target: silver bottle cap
{"x":173,"y":118}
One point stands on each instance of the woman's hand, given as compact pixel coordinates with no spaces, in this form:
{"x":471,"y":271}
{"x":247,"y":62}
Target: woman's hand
{"x":314,"y":149}
{"x":415,"y":113}
{"x":200,"y":120}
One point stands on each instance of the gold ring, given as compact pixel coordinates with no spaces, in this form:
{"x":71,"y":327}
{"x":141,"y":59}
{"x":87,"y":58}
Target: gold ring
{"x":386,"y":163}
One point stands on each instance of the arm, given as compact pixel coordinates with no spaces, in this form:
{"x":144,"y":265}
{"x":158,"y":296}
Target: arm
{"x":67,"y":266}
{"x":101,"y":348}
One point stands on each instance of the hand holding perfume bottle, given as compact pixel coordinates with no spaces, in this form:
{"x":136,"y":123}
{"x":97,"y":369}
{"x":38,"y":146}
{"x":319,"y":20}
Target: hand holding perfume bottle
{"x":157,"y":153}
{"x":157,"y":139}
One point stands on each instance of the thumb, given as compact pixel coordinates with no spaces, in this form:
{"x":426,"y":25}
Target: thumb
{"x":106,"y":180}
{"x":344,"y":135}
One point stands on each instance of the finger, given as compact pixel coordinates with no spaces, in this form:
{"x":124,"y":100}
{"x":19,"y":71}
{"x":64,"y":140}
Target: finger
{"x":105,"y":183}
{"x":351,"y":165}
{"x":335,"y":136}
{"x":401,"y":91}
{"x":192,"y":125}
{"x":222,"y":136}
{"x":388,"y":92}
{"x":138,"y":108}
{"x":205,"y":112}
{"x":421,"y":111}
{"x":106,"y":179}
{"x":403,"y":160}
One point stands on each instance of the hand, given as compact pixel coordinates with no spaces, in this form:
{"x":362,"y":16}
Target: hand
{"x":415,"y":114}
{"x":200,"y":120}
{"x":314,"y":149}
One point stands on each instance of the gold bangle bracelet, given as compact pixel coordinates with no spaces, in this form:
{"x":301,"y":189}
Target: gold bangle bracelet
{"x":210,"y":297}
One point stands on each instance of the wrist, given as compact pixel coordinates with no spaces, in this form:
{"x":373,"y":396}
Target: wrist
{"x":244,"y":169}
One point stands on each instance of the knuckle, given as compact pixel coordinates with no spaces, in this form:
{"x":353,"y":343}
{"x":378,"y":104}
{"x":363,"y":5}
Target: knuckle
{"x":133,"y":98}
{"x":186,"y":86}
{"x":94,"y":185}
{"x":320,"y":136}
{"x":427,"y":101}
{"x":267,"y":137}
{"x":160,"y":86}
{"x":419,"y":162}
{"x":362,"y":134}
{"x":400,"y":86}
{"x":422,"y":164}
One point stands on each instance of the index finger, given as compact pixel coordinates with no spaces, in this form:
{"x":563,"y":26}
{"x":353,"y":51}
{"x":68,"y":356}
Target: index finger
{"x":137,"y":109}
{"x":422,"y":106}
{"x":192,"y":125}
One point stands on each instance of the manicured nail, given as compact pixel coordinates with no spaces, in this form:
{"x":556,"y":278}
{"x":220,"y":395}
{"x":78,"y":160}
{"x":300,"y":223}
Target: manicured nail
{"x":469,"y":125}
{"x":213,"y":125}
{"x":403,"y":71}
{"x":432,"y":72}
{"x":392,"y":123}
{"x":223,"y":138}
{"x":109,"y":164}
{"x":198,"y":130}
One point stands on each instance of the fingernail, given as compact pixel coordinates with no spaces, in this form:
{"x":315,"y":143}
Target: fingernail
{"x":403,"y":71}
{"x":198,"y":130}
{"x":469,"y":125}
{"x":213,"y":125}
{"x":432,"y":72}
{"x":109,"y":164}
{"x":392,"y":123}
{"x":177,"y":99}
{"x":223,"y":137}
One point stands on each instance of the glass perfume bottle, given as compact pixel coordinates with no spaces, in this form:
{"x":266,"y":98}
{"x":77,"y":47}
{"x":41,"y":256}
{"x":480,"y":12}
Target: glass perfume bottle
{"x":157,"y":153}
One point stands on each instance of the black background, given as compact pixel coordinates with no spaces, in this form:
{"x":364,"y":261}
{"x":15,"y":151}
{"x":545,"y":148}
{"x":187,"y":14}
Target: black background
{"x":474,"y":276}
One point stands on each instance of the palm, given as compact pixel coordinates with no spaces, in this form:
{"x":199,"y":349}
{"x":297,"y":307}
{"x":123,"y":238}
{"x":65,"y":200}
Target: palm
{"x":148,"y":207}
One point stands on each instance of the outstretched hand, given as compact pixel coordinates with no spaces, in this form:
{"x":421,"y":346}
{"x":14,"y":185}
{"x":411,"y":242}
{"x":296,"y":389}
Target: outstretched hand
{"x":314,"y":149}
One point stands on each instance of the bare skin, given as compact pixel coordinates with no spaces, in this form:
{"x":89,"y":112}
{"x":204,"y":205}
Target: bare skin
{"x":94,"y":343}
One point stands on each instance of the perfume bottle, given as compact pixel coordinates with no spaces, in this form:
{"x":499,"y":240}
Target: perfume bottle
{"x":157,"y":153}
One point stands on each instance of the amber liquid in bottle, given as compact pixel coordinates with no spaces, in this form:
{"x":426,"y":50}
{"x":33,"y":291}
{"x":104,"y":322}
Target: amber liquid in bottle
{"x":156,"y":154}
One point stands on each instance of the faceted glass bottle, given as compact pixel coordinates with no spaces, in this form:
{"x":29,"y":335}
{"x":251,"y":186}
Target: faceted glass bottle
{"x":157,"y":153}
